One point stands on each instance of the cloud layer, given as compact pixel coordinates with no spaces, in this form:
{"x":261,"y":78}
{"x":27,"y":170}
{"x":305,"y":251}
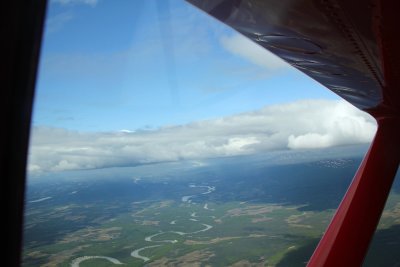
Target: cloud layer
{"x":76,"y":2}
{"x":250,"y":51}
{"x":297,"y":125}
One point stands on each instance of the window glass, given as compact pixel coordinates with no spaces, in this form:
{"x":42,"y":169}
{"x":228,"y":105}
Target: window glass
{"x":385,"y":245}
{"x":162,"y":137}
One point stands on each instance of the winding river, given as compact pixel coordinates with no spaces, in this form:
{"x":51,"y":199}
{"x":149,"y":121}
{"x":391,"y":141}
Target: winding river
{"x":149,"y":239}
{"x":136,"y":252}
{"x":77,"y":261}
{"x":187,"y":199}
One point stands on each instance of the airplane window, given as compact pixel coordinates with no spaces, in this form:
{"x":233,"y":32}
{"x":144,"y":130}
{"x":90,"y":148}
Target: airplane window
{"x":162,"y":137}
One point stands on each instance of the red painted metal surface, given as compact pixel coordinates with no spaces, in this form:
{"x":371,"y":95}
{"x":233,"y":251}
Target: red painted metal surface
{"x":346,"y":240}
{"x":333,"y":36}
{"x":334,"y":41}
{"x":351,"y":47}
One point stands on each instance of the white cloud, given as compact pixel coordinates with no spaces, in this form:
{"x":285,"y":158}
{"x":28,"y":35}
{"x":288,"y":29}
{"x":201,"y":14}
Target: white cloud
{"x":344,"y":125}
{"x":74,"y":2}
{"x":57,"y":22}
{"x":297,"y":125}
{"x":243,"y":47}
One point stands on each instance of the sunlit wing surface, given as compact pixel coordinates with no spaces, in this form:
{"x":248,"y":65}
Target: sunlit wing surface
{"x":351,"y":47}
{"x":337,"y":43}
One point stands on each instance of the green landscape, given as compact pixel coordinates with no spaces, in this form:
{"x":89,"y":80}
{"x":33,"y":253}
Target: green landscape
{"x":196,"y":218}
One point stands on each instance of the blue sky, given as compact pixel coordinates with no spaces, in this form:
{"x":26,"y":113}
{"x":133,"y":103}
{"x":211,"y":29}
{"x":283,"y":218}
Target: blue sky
{"x":113,"y":65}
{"x":126,"y":83}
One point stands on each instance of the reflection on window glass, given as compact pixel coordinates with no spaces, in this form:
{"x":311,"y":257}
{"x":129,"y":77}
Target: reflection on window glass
{"x":385,"y":246}
{"x":162,"y":137}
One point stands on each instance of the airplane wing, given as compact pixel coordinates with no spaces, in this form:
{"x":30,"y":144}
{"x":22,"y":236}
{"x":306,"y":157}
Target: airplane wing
{"x":352,"y":48}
